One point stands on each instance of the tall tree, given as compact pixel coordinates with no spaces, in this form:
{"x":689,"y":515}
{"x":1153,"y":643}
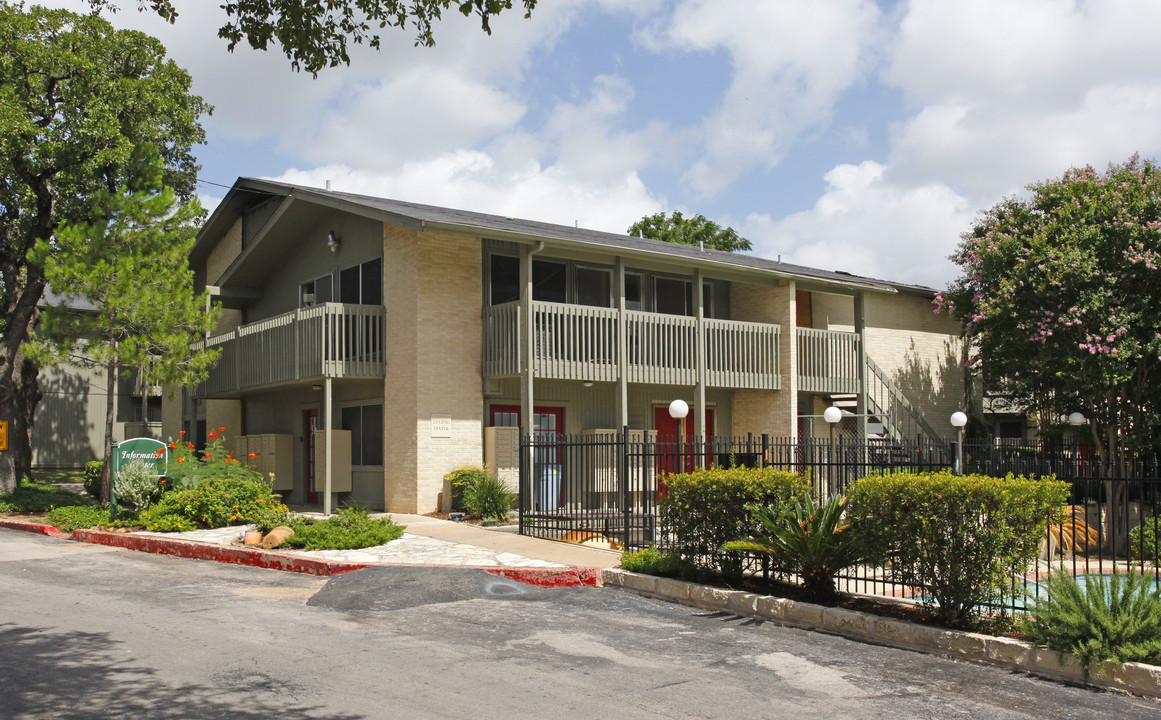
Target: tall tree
{"x":696,"y":230}
{"x":314,"y":35}
{"x":1060,"y":299}
{"x":76,"y":98}
{"x":131,"y":267}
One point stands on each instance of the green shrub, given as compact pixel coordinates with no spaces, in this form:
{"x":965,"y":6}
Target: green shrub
{"x":34,"y":498}
{"x":137,"y":486}
{"x":958,"y":539}
{"x":72,"y":517}
{"x":1143,"y":540}
{"x":703,"y":510}
{"x":92,"y":478}
{"x":215,"y":502}
{"x":460,"y":478}
{"x":488,"y":498}
{"x":653,"y":561}
{"x":1117,"y":619}
{"x":349,"y":529}
{"x":810,"y":541}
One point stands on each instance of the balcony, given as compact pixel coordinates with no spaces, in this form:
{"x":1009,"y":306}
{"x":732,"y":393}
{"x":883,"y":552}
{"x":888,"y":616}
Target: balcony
{"x":329,"y":340}
{"x":578,"y":342}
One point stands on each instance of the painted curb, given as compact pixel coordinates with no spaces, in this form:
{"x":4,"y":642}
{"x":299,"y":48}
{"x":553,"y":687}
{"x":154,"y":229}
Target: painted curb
{"x":217,"y":553}
{"x":550,"y":577}
{"x":31,"y":527}
{"x":1136,"y":678}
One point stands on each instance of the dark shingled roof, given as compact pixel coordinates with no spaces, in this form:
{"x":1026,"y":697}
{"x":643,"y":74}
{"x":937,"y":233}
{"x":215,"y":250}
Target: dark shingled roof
{"x":498,"y":226}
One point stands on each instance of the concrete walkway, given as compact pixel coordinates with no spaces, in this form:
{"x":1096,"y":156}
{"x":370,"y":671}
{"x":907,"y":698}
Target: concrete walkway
{"x":431,"y":541}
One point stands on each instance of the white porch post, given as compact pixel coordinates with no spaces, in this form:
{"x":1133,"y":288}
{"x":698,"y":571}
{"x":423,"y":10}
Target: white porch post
{"x":528,"y":331}
{"x":622,"y":346}
{"x":328,"y":415}
{"x":699,"y":428}
{"x":861,"y":402}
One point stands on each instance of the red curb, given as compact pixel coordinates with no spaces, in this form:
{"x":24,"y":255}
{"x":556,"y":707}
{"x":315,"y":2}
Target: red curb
{"x":217,"y":553}
{"x":551,"y":577}
{"x":31,"y":527}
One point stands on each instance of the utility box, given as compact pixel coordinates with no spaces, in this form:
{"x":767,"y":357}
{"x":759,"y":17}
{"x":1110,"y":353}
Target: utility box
{"x":502,"y":454}
{"x":273,"y":453}
{"x":340,"y":460}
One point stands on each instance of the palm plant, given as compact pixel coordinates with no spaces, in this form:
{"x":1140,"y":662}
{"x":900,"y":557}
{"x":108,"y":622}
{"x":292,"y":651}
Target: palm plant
{"x":810,"y":540}
{"x":1072,"y":533}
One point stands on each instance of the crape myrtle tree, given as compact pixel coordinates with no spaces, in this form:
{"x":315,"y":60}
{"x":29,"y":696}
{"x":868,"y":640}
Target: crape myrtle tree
{"x":1061,"y":301}
{"x":696,"y":230}
{"x":314,"y":35}
{"x":129,"y":268}
{"x":76,"y":99}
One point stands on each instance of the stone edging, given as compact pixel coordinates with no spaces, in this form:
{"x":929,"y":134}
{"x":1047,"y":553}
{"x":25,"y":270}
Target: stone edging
{"x":1136,"y":678}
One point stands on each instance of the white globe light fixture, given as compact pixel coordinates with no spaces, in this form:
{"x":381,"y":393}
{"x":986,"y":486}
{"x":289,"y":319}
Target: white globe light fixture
{"x":1077,"y":419}
{"x":832,"y":414}
{"x":958,"y":420}
{"x":678,"y":409}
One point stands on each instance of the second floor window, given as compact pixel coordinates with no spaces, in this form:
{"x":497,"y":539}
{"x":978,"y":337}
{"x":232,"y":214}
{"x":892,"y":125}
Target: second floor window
{"x":362,"y":284}
{"x":317,"y":291}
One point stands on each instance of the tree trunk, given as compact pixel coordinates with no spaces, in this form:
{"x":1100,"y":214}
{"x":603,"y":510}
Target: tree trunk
{"x":18,"y":390}
{"x":110,"y":390}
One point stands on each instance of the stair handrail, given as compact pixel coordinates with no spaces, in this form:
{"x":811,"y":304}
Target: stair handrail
{"x":900,"y":400}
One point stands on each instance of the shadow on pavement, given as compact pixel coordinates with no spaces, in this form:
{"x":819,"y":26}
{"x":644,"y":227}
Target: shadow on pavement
{"x":75,"y":675}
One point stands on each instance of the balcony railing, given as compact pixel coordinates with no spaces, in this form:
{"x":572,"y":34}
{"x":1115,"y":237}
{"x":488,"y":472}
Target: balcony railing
{"x":577,"y":342}
{"x":329,"y":340}
{"x":828,"y":361}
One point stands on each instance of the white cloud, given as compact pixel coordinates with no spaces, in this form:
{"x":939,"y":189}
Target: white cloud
{"x":473,"y":180}
{"x":865,"y":225}
{"x":1010,"y":93}
{"x":791,"y":61}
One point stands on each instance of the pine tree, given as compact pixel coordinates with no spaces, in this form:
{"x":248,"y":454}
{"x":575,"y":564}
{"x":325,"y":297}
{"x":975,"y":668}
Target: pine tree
{"x":131,"y":267}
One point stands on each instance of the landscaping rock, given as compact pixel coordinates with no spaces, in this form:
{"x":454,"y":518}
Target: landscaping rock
{"x":276,"y":537}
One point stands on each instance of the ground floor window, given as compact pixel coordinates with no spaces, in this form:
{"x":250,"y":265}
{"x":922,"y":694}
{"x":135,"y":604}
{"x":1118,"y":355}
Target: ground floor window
{"x":366,"y":425}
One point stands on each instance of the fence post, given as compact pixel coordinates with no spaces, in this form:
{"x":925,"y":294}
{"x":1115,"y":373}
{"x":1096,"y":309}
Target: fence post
{"x":623,"y":475}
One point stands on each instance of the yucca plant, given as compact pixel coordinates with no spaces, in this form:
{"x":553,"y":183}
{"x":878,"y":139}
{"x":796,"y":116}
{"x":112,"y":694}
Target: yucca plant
{"x":810,"y":540}
{"x":1118,"y":618}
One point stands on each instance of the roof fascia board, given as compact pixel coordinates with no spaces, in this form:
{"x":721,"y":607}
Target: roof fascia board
{"x":719,"y":269}
{"x":343,"y":205}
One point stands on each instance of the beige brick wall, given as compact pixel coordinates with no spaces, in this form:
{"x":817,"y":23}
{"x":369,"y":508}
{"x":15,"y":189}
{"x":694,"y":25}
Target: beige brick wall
{"x":401,"y":296}
{"x":833,"y":312}
{"x":767,"y":411}
{"x":450,"y":342}
{"x":433,"y":294}
{"x":224,"y":253}
{"x":920,"y":352}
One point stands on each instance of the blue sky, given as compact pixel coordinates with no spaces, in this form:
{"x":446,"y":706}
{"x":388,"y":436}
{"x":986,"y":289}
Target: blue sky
{"x":841,"y":134}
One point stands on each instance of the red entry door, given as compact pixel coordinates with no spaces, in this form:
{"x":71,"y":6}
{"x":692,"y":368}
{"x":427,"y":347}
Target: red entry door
{"x":309,"y":425}
{"x":668,"y":449}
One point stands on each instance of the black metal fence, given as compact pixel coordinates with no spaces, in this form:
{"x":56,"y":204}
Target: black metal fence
{"x":607,"y":486}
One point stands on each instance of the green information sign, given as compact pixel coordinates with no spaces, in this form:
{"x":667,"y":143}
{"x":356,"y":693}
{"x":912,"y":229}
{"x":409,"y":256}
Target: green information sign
{"x":153,"y":453}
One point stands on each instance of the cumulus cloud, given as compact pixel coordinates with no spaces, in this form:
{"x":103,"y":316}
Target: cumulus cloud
{"x":473,"y":180}
{"x":864,"y":224}
{"x":791,"y":62}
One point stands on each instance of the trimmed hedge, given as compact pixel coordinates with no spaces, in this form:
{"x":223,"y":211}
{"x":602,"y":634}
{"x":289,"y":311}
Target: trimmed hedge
{"x":1143,"y":540}
{"x":957,"y":539}
{"x":705,"y":509}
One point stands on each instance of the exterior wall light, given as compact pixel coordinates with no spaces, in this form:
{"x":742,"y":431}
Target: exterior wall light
{"x":333,"y":241}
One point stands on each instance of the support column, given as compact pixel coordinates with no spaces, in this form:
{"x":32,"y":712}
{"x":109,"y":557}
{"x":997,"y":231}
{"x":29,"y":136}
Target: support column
{"x":528,"y":335}
{"x":861,"y":404}
{"x":699,"y":429}
{"x":622,"y":345}
{"x":328,"y":415}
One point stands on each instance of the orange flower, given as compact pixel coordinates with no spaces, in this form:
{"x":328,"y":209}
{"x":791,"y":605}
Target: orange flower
{"x":208,"y":455}
{"x":182,"y":432}
{"x":161,"y":481}
{"x":252,"y":456}
{"x":172,"y":446}
{"x":159,"y":453}
{"x":221,"y":429}
{"x":181,"y":459}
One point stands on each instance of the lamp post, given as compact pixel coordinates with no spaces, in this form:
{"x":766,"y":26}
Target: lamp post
{"x":832,"y":415}
{"x":678,"y":409}
{"x":1076,"y":419}
{"x":958,"y":421}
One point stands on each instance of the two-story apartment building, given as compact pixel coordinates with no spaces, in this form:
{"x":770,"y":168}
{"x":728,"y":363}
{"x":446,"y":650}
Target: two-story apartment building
{"x":389,"y":335}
